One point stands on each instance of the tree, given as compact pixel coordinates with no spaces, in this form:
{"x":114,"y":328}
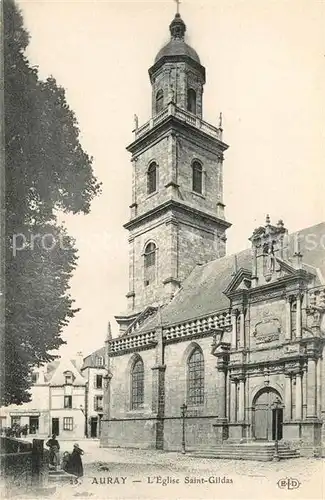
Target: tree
{"x":47,"y":171}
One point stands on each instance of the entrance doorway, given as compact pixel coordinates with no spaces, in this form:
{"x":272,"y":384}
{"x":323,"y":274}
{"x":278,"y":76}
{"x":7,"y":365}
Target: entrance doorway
{"x":264,"y":415}
{"x":55,"y":426}
{"x":93,"y":427}
{"x":33,"y":425}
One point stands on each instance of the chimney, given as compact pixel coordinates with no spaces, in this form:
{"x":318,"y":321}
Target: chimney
{"x":79,"y":359}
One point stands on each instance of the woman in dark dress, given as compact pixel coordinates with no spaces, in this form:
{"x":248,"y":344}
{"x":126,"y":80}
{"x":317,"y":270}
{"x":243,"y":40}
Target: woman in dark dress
{"x":75,"y":463}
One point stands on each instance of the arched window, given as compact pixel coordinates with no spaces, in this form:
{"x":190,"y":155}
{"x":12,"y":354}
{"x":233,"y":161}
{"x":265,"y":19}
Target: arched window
{"x":137,"y":384}
{"x":197,"y":177}
{"x":159,"y":101}
{"x":195,"y":386}
{"x":152,"y":178}
{"x":191,"y":101}
{"x":149,"y":263}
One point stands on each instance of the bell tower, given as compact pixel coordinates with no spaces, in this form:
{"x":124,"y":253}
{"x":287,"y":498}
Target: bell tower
{"x":177,"y":215}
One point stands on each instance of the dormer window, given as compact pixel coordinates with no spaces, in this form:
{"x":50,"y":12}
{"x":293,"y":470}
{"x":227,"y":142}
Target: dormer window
{"x":99,"y":361}
{"x":152,"y":178}
{"x":197,"y":177}
{"x":68,"y":378}
{"x":191,"y":101}
{"x":159,"y":101}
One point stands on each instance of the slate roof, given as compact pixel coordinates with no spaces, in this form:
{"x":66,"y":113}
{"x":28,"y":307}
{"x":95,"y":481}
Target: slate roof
{"x":90,"y":360}
{"x":202,"y":292}
{"x":177,"y":48}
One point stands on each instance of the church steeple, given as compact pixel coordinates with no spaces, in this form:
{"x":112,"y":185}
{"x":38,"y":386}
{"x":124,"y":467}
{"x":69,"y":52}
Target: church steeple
{"x":177,"y":211}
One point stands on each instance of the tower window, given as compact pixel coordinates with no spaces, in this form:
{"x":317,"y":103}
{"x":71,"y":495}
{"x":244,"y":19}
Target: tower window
{"x":195,"y":393}
{"x":197,"y":177}
{"x":159,"y":101}
{"x":149,"y":263}
{"x":137,"y":384}
{"x":152,"y":178}
{"x":191,"y":101}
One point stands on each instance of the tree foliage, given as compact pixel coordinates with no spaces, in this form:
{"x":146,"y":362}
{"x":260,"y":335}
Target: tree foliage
{"x":47,"y":171}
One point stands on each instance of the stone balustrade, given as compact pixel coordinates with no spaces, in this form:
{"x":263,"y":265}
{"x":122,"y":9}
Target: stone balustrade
{"x":181,"y":114}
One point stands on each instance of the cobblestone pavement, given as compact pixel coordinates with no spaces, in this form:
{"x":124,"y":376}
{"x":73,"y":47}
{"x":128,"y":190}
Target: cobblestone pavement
{"x":145,"y":474}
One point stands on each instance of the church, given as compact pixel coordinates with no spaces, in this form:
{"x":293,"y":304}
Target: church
{"x":235,"y":342}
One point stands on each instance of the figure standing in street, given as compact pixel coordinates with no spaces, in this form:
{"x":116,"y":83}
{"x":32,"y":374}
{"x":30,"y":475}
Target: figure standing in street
{"x":75,"y":463}
{"x":53,"y":445}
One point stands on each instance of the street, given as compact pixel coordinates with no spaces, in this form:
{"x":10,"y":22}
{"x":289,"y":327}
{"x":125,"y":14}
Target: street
{"x":127,"y":473}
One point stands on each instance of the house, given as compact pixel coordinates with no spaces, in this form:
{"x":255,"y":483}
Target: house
{"x":93,"y":370}
{"x":58,"y":401}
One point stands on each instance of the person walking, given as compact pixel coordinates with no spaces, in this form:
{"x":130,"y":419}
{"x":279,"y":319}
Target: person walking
{"x":74,"y":465}
{"x":53,"y":445}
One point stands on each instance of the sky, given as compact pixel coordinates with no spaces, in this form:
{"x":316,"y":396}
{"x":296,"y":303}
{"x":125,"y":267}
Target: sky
{"x":265,"y":64}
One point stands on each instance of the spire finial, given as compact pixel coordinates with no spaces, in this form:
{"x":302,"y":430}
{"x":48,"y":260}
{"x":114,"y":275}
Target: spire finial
{"x":109,"y":331}
{"x":220,"y":120}
{"x":177,"y":26}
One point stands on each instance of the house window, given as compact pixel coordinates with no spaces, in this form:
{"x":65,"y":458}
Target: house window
{"x":68,"y":423}
{"x":99,"y":361}
{"x":149,"y":263}
{"x":152,"y":178}
{"x":195,"y":393}
{"x":67,"y":401}
{"x":137,"y":384}
{"x":98,"y":403}
{"x":197,"y":177}
{"x":159,"y":101}
{"x":15,"y":421}
{"x":98,"y":381}
{"x":191,"y":101}
{"x":68,"y":378}
{"x":35,"y":377}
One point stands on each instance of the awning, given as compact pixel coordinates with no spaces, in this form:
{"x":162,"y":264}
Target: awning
{"x":25,"y":414}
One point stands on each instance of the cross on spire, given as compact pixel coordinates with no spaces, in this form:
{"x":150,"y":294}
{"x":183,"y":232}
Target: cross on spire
{"x":177,"y":6}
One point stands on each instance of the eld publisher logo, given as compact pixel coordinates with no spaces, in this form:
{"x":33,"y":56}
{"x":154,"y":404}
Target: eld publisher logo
{"x":288,"y":483}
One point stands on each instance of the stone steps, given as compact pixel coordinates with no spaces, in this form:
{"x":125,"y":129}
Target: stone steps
{"x":60,"y":476}
{"x":246,"y":451}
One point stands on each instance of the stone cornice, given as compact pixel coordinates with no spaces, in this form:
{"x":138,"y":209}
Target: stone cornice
{"x":179,"y":207}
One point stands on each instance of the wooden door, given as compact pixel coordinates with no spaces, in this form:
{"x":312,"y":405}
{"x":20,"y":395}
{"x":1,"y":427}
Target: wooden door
{"x":55,"y":426}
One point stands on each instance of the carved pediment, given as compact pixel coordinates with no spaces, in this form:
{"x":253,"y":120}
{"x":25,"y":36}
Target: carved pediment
{"x":140,"y":319}
{"x":241,"y":281}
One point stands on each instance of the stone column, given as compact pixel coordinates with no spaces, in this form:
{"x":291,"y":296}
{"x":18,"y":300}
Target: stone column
{"x":319,"y":388}
{"x":232,"y":402}
{"x":234,"y":329}
{"x":287,"y":397}
{"x":298,"y":396}
{"x":298,"y":316}
{"x":288,"y":319}
{"x":311,"y":388}
{"x":304,"y":394}
{"x":241,"y":401}
{"x":221,"y":388}
{"x":242,"y":329}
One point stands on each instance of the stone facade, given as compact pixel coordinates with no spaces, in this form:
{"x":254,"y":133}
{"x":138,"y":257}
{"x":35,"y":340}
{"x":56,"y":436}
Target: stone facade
{"x":241,"y":343}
